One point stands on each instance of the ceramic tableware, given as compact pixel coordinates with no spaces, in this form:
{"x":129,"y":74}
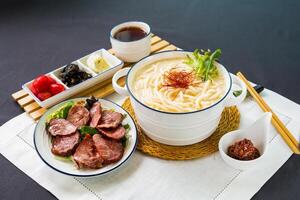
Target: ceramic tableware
{"x":258,"y":133}
{"x":178,"y":128}
{"x":42,"y":143}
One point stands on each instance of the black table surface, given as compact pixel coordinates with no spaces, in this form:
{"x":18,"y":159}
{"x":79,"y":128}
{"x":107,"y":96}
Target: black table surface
{"x":260,"y":38}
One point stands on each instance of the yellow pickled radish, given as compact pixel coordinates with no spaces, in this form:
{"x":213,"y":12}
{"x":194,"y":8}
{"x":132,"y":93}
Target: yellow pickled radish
{"x":97,"y":63}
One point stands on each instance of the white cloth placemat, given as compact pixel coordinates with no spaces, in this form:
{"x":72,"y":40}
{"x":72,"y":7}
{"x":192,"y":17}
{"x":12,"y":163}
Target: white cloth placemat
{"x":145,"y":177}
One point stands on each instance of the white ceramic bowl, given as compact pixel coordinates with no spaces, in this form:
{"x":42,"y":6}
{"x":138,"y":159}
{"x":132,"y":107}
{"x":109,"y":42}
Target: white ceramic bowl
{"x":135,"y":50}
{"x":42,"y":143}
{"x":177,"y":128}
{"x":257,"y":133}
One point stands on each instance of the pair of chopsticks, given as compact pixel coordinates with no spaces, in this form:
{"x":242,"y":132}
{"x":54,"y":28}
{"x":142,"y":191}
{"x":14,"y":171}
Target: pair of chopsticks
{"x":280,"y":127}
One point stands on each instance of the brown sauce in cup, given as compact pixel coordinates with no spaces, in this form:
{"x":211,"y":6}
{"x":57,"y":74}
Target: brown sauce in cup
{"x":243,"y":150}
{"x":129,"y":34}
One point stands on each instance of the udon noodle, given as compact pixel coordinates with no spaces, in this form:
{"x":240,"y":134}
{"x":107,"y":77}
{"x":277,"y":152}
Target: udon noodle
{"x":149,"y":88}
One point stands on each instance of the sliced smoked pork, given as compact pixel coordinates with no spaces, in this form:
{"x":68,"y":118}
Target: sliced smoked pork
{"x":65,"y":145}
{"x":61,"y":127}
{"x":95,"y":114}
{"x":110,"y":150}
{"x":110,"y":119}
{"x":78,"y":116}
{"x":86,"y":155}
{"x":115,"y":133}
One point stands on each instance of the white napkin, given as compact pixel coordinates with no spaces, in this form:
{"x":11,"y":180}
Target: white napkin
{"x":145,"y":177}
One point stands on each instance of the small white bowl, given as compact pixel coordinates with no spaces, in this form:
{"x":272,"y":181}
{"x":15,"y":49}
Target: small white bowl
{"x":135,"y":50}
{"x":257,"y":133}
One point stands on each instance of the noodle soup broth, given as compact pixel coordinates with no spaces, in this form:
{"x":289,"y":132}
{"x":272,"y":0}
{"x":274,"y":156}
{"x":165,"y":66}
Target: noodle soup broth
{"x":150,"y":86}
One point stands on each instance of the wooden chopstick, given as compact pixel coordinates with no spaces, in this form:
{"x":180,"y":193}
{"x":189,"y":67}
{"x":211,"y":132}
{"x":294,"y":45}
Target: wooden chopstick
{"x":265,"y":107}
{"x":282,"y":130}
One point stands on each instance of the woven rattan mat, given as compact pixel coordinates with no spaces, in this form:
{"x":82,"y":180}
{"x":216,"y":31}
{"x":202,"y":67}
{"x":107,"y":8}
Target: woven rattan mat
{"x":230,"y":121}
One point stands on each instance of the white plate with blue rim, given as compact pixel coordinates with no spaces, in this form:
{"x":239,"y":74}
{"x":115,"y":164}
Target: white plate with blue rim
{"x":42,"y":143}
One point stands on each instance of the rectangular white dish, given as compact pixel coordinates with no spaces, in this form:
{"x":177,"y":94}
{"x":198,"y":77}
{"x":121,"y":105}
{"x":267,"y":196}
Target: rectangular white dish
{"x":114,"y":65}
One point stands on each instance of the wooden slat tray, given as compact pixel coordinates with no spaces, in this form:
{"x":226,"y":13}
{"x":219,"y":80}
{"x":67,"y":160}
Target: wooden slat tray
{"x":100,"y":90}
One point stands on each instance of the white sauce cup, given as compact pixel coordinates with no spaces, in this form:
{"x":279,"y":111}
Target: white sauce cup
{"x":131,"y":51}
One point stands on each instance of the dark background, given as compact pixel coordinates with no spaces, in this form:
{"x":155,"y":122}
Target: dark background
{"x":260,"y":38}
